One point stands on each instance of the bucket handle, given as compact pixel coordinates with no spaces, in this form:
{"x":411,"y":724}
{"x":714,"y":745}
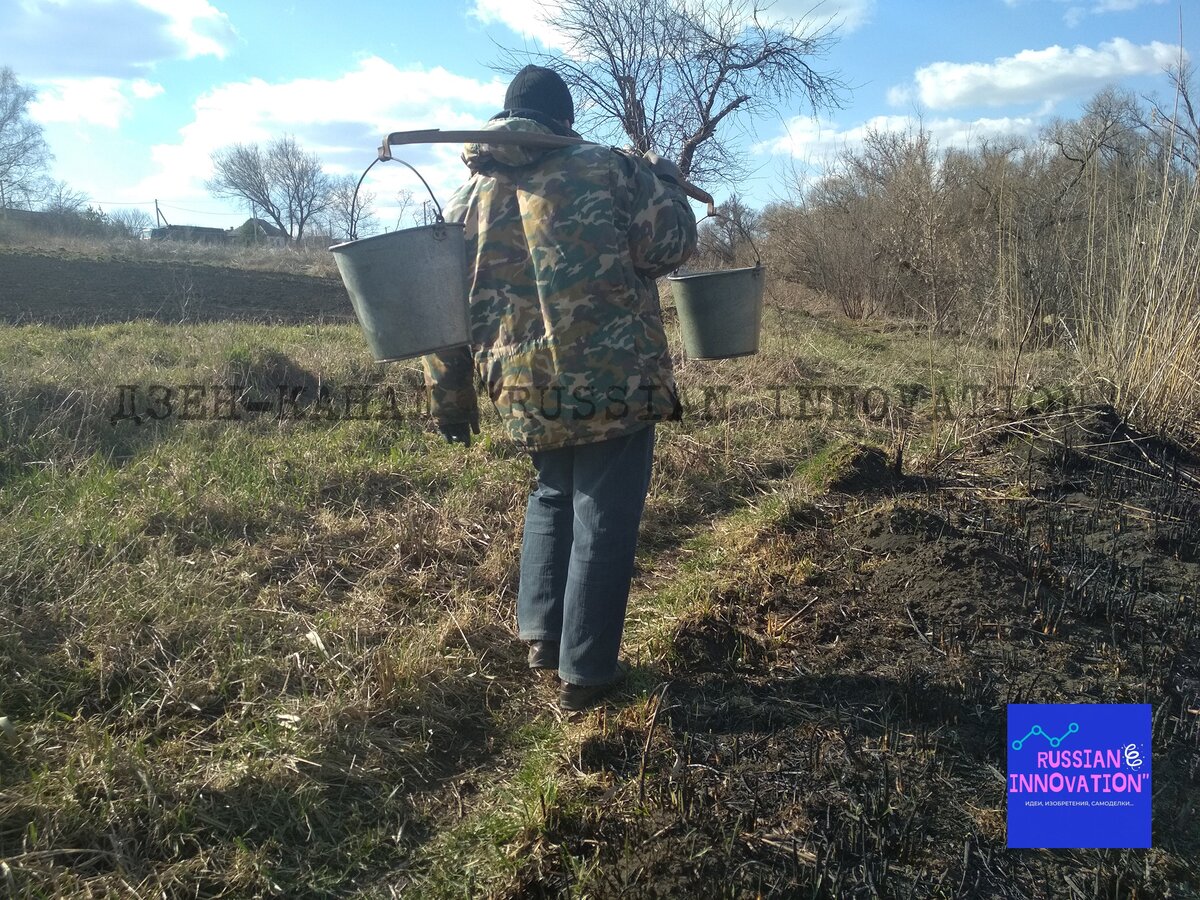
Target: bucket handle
{"x":440,"y":220}
{"x":744,"y":230}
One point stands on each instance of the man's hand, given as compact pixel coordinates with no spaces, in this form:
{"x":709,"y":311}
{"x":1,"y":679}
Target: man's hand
{"x":458,"y":432}
{"x":663,"y":168}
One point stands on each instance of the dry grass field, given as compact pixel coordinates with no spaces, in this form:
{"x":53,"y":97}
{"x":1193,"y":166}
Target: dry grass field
{"x":276,"y":656}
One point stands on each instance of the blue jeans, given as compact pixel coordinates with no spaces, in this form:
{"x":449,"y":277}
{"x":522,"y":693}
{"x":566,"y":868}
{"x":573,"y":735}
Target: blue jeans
{"x":581,"y":528}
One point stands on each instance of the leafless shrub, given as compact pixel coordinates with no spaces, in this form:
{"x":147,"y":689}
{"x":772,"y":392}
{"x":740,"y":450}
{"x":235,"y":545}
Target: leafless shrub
{"x":133,"y":223}
{"x":1085,"y":236}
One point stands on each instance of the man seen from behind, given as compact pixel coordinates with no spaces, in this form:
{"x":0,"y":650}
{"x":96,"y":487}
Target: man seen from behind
{"x":563,"y":249}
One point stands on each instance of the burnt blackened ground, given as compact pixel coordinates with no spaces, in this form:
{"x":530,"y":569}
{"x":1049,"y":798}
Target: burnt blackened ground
{"x":844,"y":737}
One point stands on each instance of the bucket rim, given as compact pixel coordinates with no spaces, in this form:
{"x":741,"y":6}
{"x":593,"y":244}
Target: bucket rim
{"x":344,"y":245}
{"x":715,"y":272}
{"x":753,"y":352}
{"x":417,"y":355}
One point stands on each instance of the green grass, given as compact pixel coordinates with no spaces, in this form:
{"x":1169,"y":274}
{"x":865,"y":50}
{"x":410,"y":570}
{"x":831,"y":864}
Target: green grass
{"x":277,"y":658}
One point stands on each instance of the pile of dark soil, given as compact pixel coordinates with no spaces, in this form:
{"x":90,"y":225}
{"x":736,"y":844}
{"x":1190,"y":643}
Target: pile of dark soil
{"x":861,"y":469}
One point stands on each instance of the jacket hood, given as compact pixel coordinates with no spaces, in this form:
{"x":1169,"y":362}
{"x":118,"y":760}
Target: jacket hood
{"x":484,"y":158}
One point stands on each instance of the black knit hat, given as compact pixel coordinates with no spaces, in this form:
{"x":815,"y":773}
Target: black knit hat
{"x":542,"y":90}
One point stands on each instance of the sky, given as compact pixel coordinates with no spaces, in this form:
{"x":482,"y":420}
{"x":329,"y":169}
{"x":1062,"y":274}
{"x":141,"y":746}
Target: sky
{"x":135,"y":95}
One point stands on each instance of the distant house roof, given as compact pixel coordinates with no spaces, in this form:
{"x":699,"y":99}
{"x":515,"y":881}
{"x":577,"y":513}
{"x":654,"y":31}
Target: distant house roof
{"x":200,"y":233}
{"x":265,"y":228}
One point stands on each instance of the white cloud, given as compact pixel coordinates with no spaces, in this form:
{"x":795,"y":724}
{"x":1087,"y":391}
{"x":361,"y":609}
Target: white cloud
{"x":341,"y":119}
{"x":1104,"y":6}
{"x":110,"y":38}
{"x":528,"y":18}
{"x":533,"y":19}
{"x":1074,"y":16}
{"x":199,"y":27}
{"x":88,"y":58}
{"x":89,"y":101}
{"x":806,"y":139}
{"x":1051,"y":74}
{"x":1076,"y":12}
{"x":145,"y":90}
{"x":851,"y":15}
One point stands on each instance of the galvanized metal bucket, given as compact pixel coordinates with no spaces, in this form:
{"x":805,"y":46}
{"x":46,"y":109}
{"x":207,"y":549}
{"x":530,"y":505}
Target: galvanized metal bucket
{"x":409,"y":289}
{"x":720,"y":313}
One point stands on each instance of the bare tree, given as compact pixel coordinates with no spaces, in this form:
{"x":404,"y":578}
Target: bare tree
{"x":347,"y":216}
{"x":131,"y":222}
{"x":729,"y":237}
{"x":282,"y":180}
{"x":61,"y":198}
{"x":1110,"y":131}
{"x":24,"y":154}
{"x":409,"y":212}
{"x":1178,"y":127}
{"x":671,"y":75}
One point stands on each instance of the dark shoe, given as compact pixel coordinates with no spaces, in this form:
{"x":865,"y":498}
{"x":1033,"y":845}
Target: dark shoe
{"x":578,"y":697}
{"x":543,"y":655}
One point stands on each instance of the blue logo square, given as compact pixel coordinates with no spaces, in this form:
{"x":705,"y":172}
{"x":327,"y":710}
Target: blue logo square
{"x":1079,"y":775}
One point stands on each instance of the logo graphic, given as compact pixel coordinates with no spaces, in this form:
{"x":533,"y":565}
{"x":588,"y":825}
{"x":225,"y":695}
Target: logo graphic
{"x":1079,"y":775}
{"x":1037,"y":729}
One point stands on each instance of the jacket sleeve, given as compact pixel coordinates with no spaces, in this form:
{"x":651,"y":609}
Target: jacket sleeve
{"x":662,"y":226}
{"x":450,"y":378}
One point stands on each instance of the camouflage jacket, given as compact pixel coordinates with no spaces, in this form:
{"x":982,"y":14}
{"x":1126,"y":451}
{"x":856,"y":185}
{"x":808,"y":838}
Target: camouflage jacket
{"x":563,"y":249}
